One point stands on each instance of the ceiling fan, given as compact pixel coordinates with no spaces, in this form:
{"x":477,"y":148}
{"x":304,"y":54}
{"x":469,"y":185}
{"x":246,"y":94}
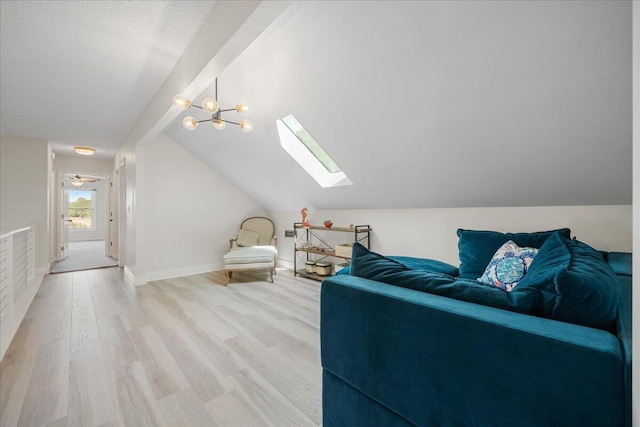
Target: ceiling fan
{"x":78,"y":180}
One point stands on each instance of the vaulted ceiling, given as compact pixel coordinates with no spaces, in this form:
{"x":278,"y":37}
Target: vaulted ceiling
{"x":434,"y":104}
{"x":422,"y":104}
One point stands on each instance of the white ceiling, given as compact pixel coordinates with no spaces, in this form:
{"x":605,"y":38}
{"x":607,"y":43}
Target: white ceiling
{"x":422,"y":104}
{"x":434,"y":104}
{"x":82,"y":72}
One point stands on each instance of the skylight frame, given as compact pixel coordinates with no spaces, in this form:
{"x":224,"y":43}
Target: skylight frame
{"x":305,"y":152}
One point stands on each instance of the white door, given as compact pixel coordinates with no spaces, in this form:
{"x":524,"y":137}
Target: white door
{"x":64,"y":225}
{"x":114,"y":195}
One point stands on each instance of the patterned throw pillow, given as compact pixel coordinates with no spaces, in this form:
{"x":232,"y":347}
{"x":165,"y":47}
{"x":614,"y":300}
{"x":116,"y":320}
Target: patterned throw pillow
{"x":508,"y":266}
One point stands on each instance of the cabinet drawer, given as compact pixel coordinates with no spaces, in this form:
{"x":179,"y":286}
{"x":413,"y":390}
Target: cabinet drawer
{"x":3,"y":309}
{"x":4,"y":298}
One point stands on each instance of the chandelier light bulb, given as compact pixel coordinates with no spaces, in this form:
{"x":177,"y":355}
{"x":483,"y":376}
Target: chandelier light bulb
{"x":246,"y":125}
{"x":210,"y":105}
{"x":181,"y":102}
{"x":243,"y":108}
{"x":190,"y":123}
{"x":219,"y":124}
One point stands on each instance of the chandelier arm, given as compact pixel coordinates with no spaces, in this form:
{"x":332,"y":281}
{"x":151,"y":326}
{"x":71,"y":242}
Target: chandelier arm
{"x":233,"y":123}
{"x":228,"y":109}
{"x":197,"y":106}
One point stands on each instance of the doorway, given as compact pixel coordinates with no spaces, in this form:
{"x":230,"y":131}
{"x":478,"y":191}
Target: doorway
{"x":83,"y":223}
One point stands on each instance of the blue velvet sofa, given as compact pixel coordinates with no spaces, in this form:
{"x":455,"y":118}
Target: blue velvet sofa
{"x":393,"y":356}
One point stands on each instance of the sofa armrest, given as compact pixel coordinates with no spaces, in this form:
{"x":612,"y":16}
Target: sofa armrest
{"x":232,"y":242}
{"x":625,"y":334}
{"x":438,"y":361}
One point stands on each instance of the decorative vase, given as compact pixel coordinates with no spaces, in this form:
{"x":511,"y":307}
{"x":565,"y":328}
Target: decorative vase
{"x":328,"y":223}
{"x":304,"y":212}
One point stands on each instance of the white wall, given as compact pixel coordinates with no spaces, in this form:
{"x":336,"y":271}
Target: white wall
{"x":24,"y":190}
{"x":83,"y":165}
{"x":229,"y":29}
{"x":186,"y":213}
{"x":431,"y":233}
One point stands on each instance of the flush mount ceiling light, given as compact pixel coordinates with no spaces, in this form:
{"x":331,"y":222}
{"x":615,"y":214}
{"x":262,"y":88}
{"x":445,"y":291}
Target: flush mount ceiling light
{"x":210,"y":105}
{"x":85,"y":151}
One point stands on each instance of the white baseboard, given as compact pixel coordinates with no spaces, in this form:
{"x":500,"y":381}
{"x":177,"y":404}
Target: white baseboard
{"x":129,"y":276}
{"x":141,"y":279}
{"x":283,"y":263}
{"x":42,"y":271}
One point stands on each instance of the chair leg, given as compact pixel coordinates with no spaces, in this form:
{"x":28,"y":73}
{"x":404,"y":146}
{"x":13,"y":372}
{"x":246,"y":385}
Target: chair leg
{"x":227,"y":276}
{"x":271,"y":273}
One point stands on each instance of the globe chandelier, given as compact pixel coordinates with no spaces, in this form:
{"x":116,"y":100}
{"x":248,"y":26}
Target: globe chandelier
{"x":210,"y":105}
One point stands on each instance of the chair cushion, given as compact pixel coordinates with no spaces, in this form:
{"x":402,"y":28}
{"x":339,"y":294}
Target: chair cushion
{"x":250,"y":255}
{"x":247,"y":238}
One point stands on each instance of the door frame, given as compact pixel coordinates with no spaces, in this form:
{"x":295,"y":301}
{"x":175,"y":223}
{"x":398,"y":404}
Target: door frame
{"x":119,"y":212}
{"x":60,"y":208}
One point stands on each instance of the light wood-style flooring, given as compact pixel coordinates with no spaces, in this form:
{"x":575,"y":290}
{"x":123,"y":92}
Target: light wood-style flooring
{"x":95,"y":351}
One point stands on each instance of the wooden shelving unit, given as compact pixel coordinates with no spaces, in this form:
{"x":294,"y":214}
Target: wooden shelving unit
{"x":312,"y":235}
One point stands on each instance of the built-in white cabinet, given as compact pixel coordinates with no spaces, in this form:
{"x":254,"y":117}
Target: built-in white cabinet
{"x":17,"y":280}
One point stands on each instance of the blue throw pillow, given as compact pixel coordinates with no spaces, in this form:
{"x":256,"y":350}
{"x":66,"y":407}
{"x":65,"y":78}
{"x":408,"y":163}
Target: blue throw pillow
{"x":373,"y":266}
{"x":575,"y":284}
{"x":476,"y":248}
{"x":425,"y":264}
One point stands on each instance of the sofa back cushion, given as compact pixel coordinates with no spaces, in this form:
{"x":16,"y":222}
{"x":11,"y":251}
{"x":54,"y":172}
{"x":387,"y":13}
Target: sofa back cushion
{"x":620,"y":262}
{"x":412,"y":263}
{"x":574,"y":282}
{"x":476,"y":248}
{"x":373,"y":266}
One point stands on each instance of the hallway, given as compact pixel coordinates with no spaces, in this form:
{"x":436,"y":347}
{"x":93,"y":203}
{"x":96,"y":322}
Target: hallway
{"x":84,"y":256}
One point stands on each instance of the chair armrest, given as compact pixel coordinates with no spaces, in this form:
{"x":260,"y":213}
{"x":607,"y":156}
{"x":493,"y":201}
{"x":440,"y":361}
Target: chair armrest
{"x":231,"y":241}
{"x":274,"y":242}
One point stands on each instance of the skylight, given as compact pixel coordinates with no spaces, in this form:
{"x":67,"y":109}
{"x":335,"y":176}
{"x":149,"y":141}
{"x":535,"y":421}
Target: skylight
{"x":305,"y":150}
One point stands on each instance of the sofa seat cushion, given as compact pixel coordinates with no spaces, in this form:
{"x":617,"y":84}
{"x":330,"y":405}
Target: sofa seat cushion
{"x":373,"y":266}
{"x":575,"y":284}
{"x":425,"y":264}
{"x":250,"y":255}
{"x":476,"y":248}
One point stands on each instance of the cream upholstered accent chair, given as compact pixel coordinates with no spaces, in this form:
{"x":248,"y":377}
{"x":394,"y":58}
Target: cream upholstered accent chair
{"x":254,"y":248}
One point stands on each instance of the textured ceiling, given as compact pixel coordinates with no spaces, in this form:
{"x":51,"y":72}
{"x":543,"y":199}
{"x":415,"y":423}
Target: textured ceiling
{"x":434,"y":104}
{"x":82,"y":72}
